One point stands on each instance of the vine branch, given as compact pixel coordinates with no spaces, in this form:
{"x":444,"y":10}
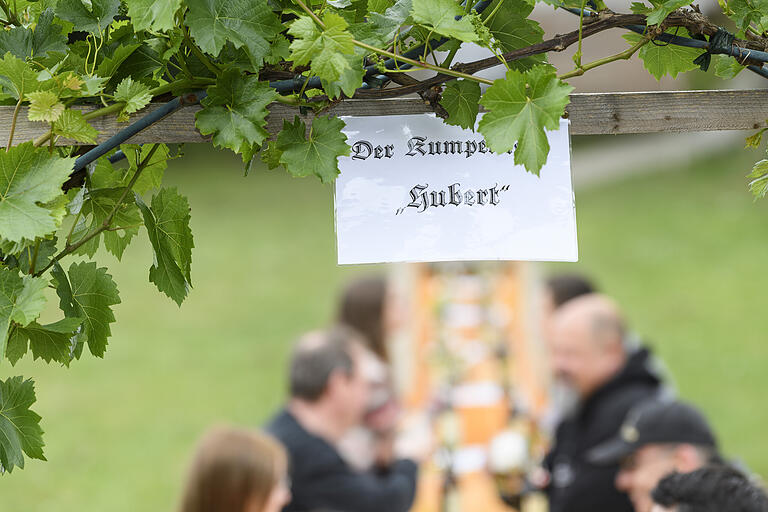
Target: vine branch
{"x":70,"y":248}
{"x":626,"y":54}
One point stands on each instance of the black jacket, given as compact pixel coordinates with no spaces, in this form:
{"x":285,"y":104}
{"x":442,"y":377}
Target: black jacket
{"x":322,"y":481}
{"x":577,"y":485}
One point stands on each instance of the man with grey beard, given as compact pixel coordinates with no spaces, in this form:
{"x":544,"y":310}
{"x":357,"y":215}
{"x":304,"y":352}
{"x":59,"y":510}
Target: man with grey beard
{"x":591,"y":359}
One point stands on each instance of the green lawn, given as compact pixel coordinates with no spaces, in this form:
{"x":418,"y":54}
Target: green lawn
{"x":682,"y":251}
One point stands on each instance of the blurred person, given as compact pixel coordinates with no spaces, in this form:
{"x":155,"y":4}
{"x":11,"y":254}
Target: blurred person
{"x":329,"y":395}
{"x":591,"y":360}
{"x":237,"y":470}
{"x":560,"y":288}
{"x":657,"y":438}
{"x":710,"y":489}
{"x":363,"y":306}
{"x":557,"y":290}
{"x":715,"y":488}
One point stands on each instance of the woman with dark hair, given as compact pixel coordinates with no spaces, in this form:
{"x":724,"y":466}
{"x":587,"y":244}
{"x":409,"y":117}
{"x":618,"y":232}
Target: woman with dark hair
{"x":237,"y":470}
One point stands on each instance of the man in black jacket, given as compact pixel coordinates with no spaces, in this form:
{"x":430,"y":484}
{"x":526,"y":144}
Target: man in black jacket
{"x":329,"y":394}
{"x":590,"y":357}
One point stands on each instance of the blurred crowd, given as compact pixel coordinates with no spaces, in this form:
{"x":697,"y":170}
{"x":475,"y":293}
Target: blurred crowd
{"x":620,"y":439}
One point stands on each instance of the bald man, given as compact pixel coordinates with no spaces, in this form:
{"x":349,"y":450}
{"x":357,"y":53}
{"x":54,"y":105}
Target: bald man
{"x":591,"y":359}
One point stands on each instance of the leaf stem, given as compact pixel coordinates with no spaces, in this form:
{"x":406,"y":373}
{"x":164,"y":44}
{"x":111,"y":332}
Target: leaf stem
{"x":425,"y":65}
{"x":200,"y":55}
{"x":626,"y":54}
{"x":13,"y":121}
{"x":72,"y":228}
{"x":34,"y":257}
{"x":577,"y":56}
{"x":69,"y":249}
{"x":493,"y":12}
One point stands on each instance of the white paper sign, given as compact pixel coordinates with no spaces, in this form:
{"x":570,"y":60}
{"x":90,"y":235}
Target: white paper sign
{"x":416,"y":189}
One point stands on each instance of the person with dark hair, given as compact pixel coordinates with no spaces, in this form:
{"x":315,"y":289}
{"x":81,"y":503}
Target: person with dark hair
{"x":558,"y":290}
{"x":656,"y":438}
{"x":329,"y":395}
{"x":563,"y":287}
{"x":593,"y":364}
{"x":363,"y":307}
{"x":715,"y":488}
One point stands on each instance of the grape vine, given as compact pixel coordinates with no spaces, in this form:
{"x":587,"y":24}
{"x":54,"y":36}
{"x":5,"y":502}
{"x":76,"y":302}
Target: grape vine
{"x":66,"y":63}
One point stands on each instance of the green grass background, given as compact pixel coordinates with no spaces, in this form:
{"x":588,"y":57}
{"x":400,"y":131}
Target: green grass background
{"x":684,"y":252}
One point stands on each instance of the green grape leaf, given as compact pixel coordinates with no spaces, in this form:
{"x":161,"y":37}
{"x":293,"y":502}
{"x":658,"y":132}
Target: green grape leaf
{"x":664,"y":59}
{"x":156,"y":15}
{"x":52,"y":342}
{"x":270,"y":155}
{"x":23,"y":42}
{"x":639,"y":8}
{"x":759,"y":179}
{"x":379,"y":5}
{"x":167,"y":223}
{"x":319,"y":153}
{"x":440,"y":16}
{"x":380,"y":28}
{"x":664,"y":9}
{"x":17,"y":41}
{"x":248,"y":23}
{"x":520,"y":107}
{"x":72,"y":125}
{"x":461,"y":101}
{"x":17,"y":76}
{"x":745,"y":12}
{"x":235,"y":111}
{"x":109,"y":65}
{"x":48,"y":36}
{"x":143,"y":64}
{"x":726,"y":66}
{"x":151,"y":176}
{"x":29,"y":178}
{"x":279,"y":51}
{"x":512,"y":30}
{"x":19,"y":425}
{"x":96,"y":207}
{"x":349,"y":81}
{"x":326,"y":49}
{"x":93,"y":85}
{"x":16,"y":347}
{"x":89,"y":293}
{"x":44,"y":106}
{"x":21,"y":300}
{"x":135,"y":95}
{"x":93,"y":20}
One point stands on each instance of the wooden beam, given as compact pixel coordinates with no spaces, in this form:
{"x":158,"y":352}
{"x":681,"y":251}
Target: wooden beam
{"x":590,"y":114}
